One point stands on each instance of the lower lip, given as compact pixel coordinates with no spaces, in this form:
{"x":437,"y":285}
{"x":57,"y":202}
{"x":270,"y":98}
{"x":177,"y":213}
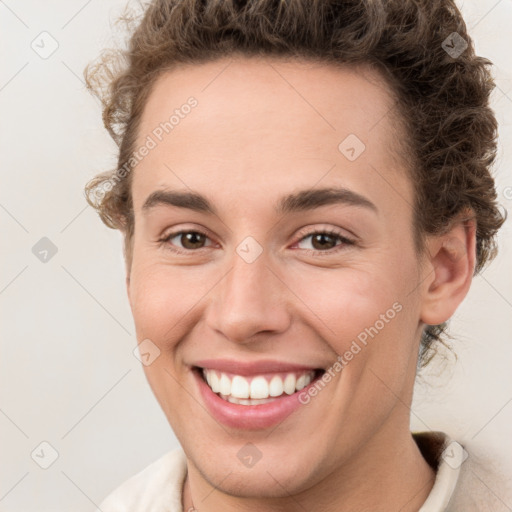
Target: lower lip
{"x":248,"y":417}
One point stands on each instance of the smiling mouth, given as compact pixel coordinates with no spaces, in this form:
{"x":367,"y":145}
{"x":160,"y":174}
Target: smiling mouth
{"x":256,"y":389}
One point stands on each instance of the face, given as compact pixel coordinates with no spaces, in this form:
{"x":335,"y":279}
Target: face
{"x":299,"y":282}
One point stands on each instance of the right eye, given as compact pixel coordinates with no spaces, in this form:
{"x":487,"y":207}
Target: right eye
{"x":189,"y":239}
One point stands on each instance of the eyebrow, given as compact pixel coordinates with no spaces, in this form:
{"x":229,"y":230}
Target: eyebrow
{"x":302,"y":200}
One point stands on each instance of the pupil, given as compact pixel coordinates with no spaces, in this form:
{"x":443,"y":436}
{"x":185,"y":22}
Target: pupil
{"x":322,"y":237}
{"x":191,"y":239}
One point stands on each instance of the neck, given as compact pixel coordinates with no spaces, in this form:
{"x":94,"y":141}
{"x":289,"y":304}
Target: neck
{"x":388,"y":474}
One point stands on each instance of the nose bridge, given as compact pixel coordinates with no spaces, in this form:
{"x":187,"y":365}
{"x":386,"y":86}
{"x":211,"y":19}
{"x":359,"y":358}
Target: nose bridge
{"x":249,"y":299}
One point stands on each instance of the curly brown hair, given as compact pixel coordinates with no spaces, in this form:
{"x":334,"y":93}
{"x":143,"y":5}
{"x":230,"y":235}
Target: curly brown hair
{"x":442,"y":98}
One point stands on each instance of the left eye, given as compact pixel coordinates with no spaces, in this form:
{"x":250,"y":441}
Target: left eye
{"x":325,"y":240}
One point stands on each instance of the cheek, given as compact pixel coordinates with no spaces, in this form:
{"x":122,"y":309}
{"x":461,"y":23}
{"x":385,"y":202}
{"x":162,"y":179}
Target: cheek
{"x":353,"y":307}
{"x":162,"y":300}
{"x":163,"y":296}
{"x":151,"y":297}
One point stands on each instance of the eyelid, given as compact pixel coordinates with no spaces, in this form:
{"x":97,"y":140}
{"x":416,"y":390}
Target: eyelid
{"x":308,"y":231}
{"x":168,"y":235}
{"x":345,"y":244}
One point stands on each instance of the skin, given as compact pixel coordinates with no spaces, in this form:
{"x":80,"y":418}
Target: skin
{"x":263,"y":128}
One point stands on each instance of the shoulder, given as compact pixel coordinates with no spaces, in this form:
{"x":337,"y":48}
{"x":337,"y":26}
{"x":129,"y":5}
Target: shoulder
{"x":467,"y":479}
{"x":482,"y":485}
{"x":156,"y":488}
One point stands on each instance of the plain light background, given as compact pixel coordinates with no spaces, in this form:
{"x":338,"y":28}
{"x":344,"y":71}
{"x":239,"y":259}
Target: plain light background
{"x":68,"y":373}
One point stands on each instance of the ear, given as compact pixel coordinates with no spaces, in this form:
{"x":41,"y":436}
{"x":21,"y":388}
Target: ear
{"x":451,"y":263}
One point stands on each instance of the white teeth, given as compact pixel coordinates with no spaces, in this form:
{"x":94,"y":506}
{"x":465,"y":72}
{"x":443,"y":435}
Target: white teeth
{"x":214,"y":382}
{"x":224,"y":384}
{"x":276,"y":386}
{"x":301,"y":382}
{"x":255,"y":390}
{"x":239,"y":387}
{"x":246,"y":401}
{"x":289,"y":384}
{"x":259,"y":387}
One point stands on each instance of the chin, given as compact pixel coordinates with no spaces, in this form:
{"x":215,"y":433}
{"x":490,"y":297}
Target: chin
{"x":261,"y":481}
{"x":274,"y":475}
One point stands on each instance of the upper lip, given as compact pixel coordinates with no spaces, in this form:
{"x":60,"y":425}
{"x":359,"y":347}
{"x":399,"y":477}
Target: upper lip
{"x":252,"y":367}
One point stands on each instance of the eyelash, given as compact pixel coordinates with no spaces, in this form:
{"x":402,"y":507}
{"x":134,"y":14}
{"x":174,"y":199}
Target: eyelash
{"x":314,"y":252}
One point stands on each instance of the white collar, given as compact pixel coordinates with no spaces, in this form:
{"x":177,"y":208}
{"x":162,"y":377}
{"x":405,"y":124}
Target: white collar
{"x":448,"y":456}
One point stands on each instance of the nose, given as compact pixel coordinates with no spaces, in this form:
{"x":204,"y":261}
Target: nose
{"x":249,"y":303}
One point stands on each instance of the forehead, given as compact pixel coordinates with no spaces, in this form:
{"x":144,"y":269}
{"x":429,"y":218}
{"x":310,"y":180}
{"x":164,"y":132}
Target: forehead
{"x":260,"y":126}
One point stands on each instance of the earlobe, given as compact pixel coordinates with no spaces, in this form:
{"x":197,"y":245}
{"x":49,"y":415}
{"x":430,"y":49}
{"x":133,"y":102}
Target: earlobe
{"x":452,"y":262}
